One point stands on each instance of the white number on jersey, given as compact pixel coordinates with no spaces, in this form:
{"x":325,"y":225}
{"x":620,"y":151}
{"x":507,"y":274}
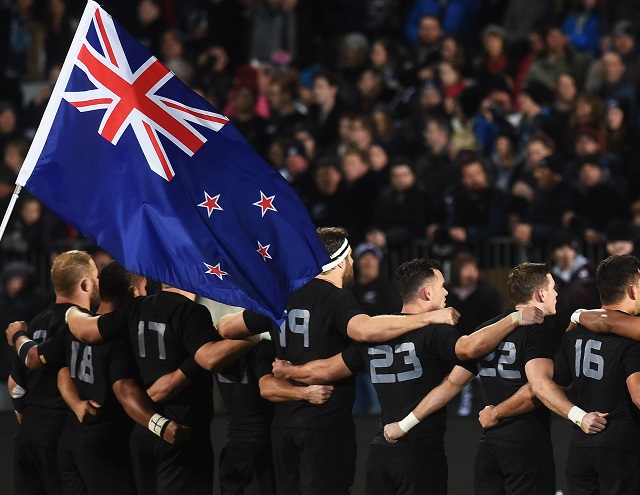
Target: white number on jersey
{"x":385,"y":362}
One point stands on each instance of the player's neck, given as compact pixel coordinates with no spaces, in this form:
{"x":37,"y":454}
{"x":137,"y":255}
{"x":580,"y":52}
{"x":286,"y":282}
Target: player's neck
{"x":624,"y":306}
{"x":188,"y":295}
{"x":531,"y":304}
{"x":106,"y":307}
{"x":416,"y":306}
{"x":334,"y":277}
{"x":77,"y":299}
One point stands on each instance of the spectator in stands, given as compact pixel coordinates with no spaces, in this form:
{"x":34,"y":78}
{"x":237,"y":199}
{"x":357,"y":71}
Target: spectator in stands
{"x":326,"y":112}
{"x":14,"y":155}
{"x":615,"y":11}
{"x":285,"y":114}
{"x":494,"y":60}
{"x":372,"y":90}
{"x":435,"y":170}
{"x":522,"y":17}
{"x":620,"y":238}
{"x":274,"y":29}
{"x":456,"y":16}
{"x":505,"y":165}
{"x":582,"y":27}
{"x":588,"y":111}
{"x":149,"y":27}
{"x":173,"y":56}
{"x":9,"y":129}
{"x":566,"y":93}
{"x":325,"y":202}
{"x":59,"y":33}
{"x":426,"y":51}
{"x":245,"y":119}
{"x":614,"y":84}
{"x":361,"y":193}
{"x":534,"y":100}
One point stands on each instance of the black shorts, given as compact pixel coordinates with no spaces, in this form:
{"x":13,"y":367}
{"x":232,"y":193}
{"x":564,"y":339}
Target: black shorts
{"x":313,"y":462}
{"x":513,"y":470}
{"x":603,"y":471}
{"x":247,"y":469}
{"x":408,"y":469}
{"x":159,"y":467}
{"x":35,"y":469}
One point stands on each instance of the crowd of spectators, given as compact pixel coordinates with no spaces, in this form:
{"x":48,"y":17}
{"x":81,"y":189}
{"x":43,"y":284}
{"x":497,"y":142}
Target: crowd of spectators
{"x":454,"y":122}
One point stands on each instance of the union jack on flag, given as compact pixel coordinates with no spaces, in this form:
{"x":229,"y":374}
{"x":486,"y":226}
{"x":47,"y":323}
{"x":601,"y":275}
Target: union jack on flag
{"x":146,"y":168}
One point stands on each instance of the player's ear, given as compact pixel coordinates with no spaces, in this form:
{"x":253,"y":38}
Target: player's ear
{"x":133,"y":290}
{"x":632,"y":292}
{"x":84,"y":285}
{"x":427,"y":292}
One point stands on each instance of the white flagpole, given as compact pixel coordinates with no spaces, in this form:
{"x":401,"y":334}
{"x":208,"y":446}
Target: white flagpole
{"x":49,"y":114}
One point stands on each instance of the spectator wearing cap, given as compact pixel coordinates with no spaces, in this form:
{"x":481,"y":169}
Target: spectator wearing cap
{"x":403,"y":210}
{"x":620,"y":238}
{"x":551,"y":200}
{"x":326,"y":200}
{"x":582,"y":27}
{"x":614,"y":12}
{"x":595,"y":202}
{"x":558,"y":57}
{"x":474,"y":210}
{"x":574,"y":276}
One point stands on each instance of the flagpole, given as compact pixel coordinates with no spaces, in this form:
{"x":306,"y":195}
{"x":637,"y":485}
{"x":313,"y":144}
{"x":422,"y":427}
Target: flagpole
{"x":12,"y":204}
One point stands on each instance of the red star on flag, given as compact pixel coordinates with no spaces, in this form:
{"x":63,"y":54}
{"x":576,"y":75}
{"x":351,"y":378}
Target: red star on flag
{"x":215,"y":270}
{"x":265,"y":203}
{"x":210,"y":203}
{"x":264,"y":251}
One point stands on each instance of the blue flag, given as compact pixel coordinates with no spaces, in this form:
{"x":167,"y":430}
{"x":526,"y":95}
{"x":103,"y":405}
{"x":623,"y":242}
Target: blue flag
{"x":146,"y":168}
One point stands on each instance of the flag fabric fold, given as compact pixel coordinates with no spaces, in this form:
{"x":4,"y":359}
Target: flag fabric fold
{"x":152,"y":173}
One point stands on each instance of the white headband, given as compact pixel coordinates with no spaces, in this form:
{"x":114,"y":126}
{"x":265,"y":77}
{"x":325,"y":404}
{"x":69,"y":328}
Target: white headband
{"x":337,"y":257}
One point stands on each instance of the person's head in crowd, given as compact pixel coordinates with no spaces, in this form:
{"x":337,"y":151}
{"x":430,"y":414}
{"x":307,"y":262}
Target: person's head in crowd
{"x":493,"y":42}
{"x":277,"y":154}
{"x":7,"y":183}
{"x":304,"y":135}
{"x":588,"y":141}
{"x":616,"y":114}
{"x":438,"y":134}
{"x":563,"y":246}
{"x":452,"y":51}
{"x":362,"y":129}
{"x":118,"y":286}
{"x":30,"y":210}
{"x":353,"y":52}
{"x":465,"y":272}
{"x":148,"y":12}
{"x":588,"y":110}
{"x":8,"y":118}
{"x":282,"y":94}
{"x":430,"y":97}
{"x":555,"y":41}
{"x":451,"y":82}
{"x":100,"y":258}
{"x":15,"y":153}
{"x":17,"y":277}
{"x":538,"y":147}
{"x":172,"y":51}
{"x":370,"y":84}
{"x":327,"y":175}
{"x":624,"y":37}
{"x":566,"y":91}
{"x":548,"y":172}
{"x":429,"y":31}
{"x":473,"y":175}
{"x":296,"y":161}
{"x":368,"y":257}
{"x":619,"y":238}
{"x":613,"y":68}
{"x":590,"y":173}
{"x":384,"y":53}
{"x":533,"y":97}
{"x":244,"y":99}
{"x":325,"y":88}
{"x":382,"y":122}
{"x":505,"y":147}
{"x":74,"y":275}
{"x":536,"y":42}
{"x":532,"y":282}
{"x":355,"y":164}
{"x":378,"y":157}
{"x":401,"y":174}
{"x":345,"y":127}
{"x":420,"y":281}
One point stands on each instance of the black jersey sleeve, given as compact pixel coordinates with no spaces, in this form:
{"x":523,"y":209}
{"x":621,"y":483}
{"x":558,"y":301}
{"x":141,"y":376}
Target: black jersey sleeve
{"x":631,"y":360}
{"x":352,"y":357}
{"x":115,"y":325}
{"x":443,"y":342}
{"x":255,"y":322}
{"x":198,"y":329}
{"x":191,"y":368}
{"x":121,"y":362}
{"x":540,"y":342}
{"x":264,"y":355}
{"x":344,"y":306}
{"x":53,"y":352}
{"x":470,"y":366}
{"x":562,"y":368}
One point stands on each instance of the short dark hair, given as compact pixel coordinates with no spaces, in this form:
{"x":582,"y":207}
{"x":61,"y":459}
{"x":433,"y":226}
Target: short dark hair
{"x":332,"y":238}
{"x":614,"y":275}
{"x":525,"y":279}
{"x":411,"y":276}
{"x":115,"y":282}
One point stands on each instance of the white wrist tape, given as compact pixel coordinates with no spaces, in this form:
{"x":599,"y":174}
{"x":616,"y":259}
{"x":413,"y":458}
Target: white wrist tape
{"x":265,"y":336}
{"x":157,"y":424}
{"x":408,"y":422}
{"x":66,"y":314}
{"x":575,"y":316}
{"x":576,"y":414}
{"x":517,"y":317}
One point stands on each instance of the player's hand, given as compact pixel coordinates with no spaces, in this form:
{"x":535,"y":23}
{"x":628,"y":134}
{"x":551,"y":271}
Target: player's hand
{"x":280,"y":368}
{"x":317,"y":394}
{"x":531,"y":315}
{"x":571,"y":326}
{"x":168,"y":386}
{"x":448,"y":316}
{"x":175,"y":433}
{"x":488,"y":418}
{"x":87,"y":411}
{"x":594,"y":422}
{"x":14,"y":328}
{"x":392,"y":432}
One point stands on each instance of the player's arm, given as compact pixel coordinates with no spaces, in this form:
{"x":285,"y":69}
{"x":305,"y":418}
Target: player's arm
{"x":485,"y":340}
{"x":26,"y":348}
{"x":139,"y":407}
{"x":433,"y":401}
{"x":243,"y":324}
{"x":374,"y":329}
{"x":171,"y":384}
{"x":608,"y":321}
{"x":214,"y":356}
{"x":17,"y":393}
{"x":633,"y":385}
{"x":314,"y":372}
{"x":85,"y":410}
{"x":539,"y":373}
{"x":279,"y":390}
{"x":522,"y":402}
{"x":83,"y":326}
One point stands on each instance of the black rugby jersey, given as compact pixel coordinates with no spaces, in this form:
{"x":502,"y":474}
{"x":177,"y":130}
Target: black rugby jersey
{"x":403,"y":371}
{"x":598,"y":366}
{"x":502,"y":373}
{"x":164,"y":330}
